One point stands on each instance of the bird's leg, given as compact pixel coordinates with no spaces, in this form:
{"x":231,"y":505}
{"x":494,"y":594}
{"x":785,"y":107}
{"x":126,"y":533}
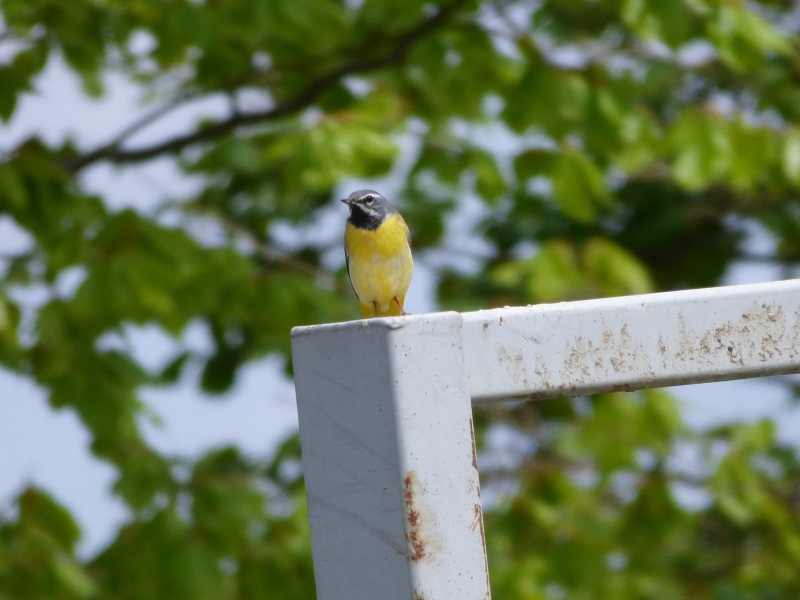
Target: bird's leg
{"x":402,"y":310}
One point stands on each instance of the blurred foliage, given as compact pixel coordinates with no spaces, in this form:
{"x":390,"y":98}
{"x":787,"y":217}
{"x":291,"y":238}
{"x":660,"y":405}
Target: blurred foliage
{"x":565,"y":148}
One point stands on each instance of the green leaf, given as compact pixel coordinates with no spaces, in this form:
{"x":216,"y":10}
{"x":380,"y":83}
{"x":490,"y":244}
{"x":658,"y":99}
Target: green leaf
{"x":73,"y":578}
{"x":12,"y":188}
{"x":791,"y":156}
{"x":38,"y":508}
{"x":553,"y":274}
{"x":756,"y":436}
{"x":761,"y":34}
{"x":220,"y":370}
{"x":143,"y":477}
{"x":754,"y":150}
{"x":534,"y":162}
{"x":744,"y":39}
{"x":172,"y":561}
{"x":668,"y":22}
{"x":554,"y":100}
{"x":488,"y":178}
{"x":578,"y":186}
{"x":616,"y":272}
{"x":172,"y":371}
{"x":17,"y":76}
{"x":661,"y":415}
{"x":703,"y":148}
{"x":442,"y":161}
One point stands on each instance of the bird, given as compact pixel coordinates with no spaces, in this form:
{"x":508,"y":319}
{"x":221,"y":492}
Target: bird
{"x":377,"y":248}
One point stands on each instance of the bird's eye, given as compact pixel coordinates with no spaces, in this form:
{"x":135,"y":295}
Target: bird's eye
{"x":369,"y":199}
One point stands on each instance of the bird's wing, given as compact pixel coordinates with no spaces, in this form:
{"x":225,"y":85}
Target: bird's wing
{"x":408,"y":233}
{"x":349,"y":278}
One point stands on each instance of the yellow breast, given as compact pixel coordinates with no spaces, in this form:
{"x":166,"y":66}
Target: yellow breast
{"x":380,"y":266}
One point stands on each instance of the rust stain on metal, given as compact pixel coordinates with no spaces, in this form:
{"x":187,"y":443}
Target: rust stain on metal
{"x":408,"y":491}
{"x":413,"y":518}
{"x":477,"y":512}
{"x":477,"y":520}
{"x":501,"y":321}
{"x":474,"y":449}
{"x":477,"y":523}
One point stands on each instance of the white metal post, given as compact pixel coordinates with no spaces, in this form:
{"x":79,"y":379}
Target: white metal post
{"x":389,"y":458}
{"x":633,"y":342}
{"x":386,"y":421}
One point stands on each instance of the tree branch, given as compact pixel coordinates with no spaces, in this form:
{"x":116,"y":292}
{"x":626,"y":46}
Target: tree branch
{"x":146,"y":119}
{"x":113,"y":151}
{"x":278,"y":256}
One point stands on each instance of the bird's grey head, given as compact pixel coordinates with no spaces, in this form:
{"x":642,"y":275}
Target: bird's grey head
{"x":368,"y":209}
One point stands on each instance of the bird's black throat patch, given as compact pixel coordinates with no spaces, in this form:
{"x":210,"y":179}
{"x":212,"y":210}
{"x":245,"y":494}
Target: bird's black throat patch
{"x":364,"y":220}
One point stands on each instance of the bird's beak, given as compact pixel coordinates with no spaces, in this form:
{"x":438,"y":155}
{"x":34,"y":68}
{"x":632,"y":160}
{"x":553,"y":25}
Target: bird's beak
{"x":345,"y":200}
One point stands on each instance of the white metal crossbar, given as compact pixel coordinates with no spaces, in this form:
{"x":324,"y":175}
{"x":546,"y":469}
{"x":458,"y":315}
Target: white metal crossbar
{"x":385,"y":409}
